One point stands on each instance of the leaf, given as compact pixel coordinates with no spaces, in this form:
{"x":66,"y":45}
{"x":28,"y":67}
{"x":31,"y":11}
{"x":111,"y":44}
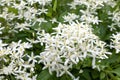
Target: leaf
{"x":55,"y":5}
{"x":50,"y":12}
{"x":61,"y":16}
{"x":44,"y":75}
{"x":118,"y":78}
{"x":86,"y":74}
{"x":47,"y":27}
{"x":113,"y":59}
{"x":95,"y":74}
{"x":65,"y":77}
{"x":15,"y":11}
{"x":116,"y":71}
{"x":2,"y":20}
{"x":12,"y":77}
{"x":102,"y":75}
{"x":35,"y":26}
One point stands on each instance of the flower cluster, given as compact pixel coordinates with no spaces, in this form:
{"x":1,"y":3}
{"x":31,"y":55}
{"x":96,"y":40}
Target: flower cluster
{"x":116,"y":20}
{"x":116,"y":42}
{"x":69,"y":34}
{"x":12,"y":60}
{"x":91,"y":4}
{"x":68,"y":45}
{"x":90,"y":7}
{"x":15,"y":11}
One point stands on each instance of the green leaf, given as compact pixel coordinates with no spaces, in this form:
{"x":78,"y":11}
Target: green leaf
{"x":47,"y":27}
{"x":15,"y":11}
{"x":2,"y":20}
{"x":102,"y":75}
{"x":50,"y":12}
{"x":12,"y":77}
{"x":65,"y":77}
{"x":86,"y":74}
{"x":77,"y":66}
{"x":95,"y":74}
{"x":118,"y":78}
{"x":116,"y":71}
{"x":61,"y":16}
{"x":35,"y":26}
{"x":44,"y":75}
{"x":55,"y":5}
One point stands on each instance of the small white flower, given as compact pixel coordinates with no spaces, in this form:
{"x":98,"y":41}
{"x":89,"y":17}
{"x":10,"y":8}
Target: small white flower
{"x":70,"y":17}
{"x":32,"y":41}
{"x":32,"y":58}
{"x":22,"y":26}
{"x":116,"y":42}
{"x":2,"y":44}
{"x":1,"y":28}
{"x":7,"y":69}
{"x":20,"y":6}
{"x":76,"y":78}
{"x":53,"y":20}
{"x":43,"y":2}
{"x":72,"y":5}
{"x":41,"y":11}
{"x":88,"y":17}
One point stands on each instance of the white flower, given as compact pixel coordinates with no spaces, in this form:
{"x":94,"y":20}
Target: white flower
{"x":88,"y":17}
{"x":93,"y":4}
{"x":22,"y":26}
{"x":18,"y":66}
{"x":19,"y":44}
{"x":116,"y":42}
{"x":1,"y":28}
{"x":32,"y":41}
{"x":4,"y":51}
{"x":41,"y":11}
{"x":28,"y":15}
{"x":34,"y":77}
{"x":53,"y":20}
{"x":24,"y":76}
{"x":69,"y":45}
{"x":32,"y":58}
{"x":43,"y":2}
{"x":31,"y":2}
{"x":70,"y":17}
{"x":20,"y":6}
{"x":39,"y":20}
{"x":116,"y":18}
{"x":76,"y":78}
{"x":8,"y":2}
{"x":7,"y":69}
{"x":72,"y":5}
{"x":2,"y":77}
{"x":2,"y":44}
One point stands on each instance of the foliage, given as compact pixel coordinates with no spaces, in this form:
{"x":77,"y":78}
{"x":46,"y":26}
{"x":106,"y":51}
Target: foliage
{"x":35,"y":33}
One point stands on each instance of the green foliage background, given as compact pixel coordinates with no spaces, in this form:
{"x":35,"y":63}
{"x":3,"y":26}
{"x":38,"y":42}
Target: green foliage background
{"x":110,"y":68}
